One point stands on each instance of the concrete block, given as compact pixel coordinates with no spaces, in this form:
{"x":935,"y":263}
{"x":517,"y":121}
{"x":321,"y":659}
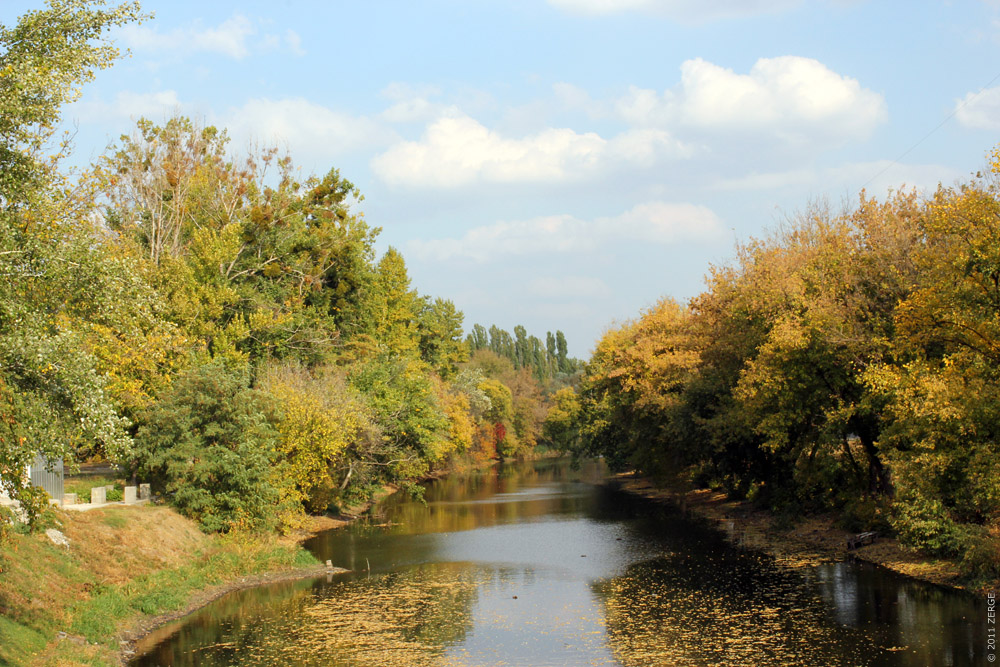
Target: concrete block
{"x":144,"y":492}
{"x":130,"y":495}
{"x":69,"y":499}
{"x":98,"y":495}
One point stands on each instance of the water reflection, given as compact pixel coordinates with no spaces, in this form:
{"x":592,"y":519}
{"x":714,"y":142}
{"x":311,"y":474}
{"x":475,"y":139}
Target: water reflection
{"x":933,"y":625}
{"x":536,"y":565}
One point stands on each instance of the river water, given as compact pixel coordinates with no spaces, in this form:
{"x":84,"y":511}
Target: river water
{"x":537,"y":564}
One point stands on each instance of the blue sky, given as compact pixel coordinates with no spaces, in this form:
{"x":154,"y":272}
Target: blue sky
{"x":562,"y":164}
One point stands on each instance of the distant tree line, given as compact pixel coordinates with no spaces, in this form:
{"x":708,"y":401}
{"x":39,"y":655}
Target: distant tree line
{"x":545,"y":361}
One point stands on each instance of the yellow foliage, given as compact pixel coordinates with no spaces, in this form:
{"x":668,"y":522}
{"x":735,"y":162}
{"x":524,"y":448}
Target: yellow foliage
{"x":318,"y":419}
{"x":461,"y":425}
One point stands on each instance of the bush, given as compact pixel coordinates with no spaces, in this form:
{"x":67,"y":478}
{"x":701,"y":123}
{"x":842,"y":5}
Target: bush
{"x":208,"y":447}
{"x":982,"y":553}
{"x":863,"y":514}
{"x":37,"y":510}
{"x":924,"y":523}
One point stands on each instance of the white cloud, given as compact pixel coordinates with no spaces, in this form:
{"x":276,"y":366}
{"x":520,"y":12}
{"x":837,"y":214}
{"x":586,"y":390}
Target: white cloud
{"x":789,"y":97}
{"x":457,"y":150}
{"x":230,"y":38}
{"x":658,"y":223}
{"x":980,"y":110}
{"x":306,"y":128}
{"x":685,"y":11}
{"x":788,"y":101}
{"x":294,"y":42}
{"x":412,"y":104}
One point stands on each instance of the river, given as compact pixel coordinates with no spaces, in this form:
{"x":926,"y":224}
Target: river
{"x":537,"y":564}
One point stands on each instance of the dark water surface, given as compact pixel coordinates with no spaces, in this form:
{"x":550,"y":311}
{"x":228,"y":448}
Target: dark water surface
{"x":536,"y":564}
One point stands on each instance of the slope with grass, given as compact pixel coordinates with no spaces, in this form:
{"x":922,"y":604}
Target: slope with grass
{"x":70,"y":605}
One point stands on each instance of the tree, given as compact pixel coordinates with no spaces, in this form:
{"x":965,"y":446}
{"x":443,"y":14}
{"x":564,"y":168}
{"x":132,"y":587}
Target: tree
{"x":633,"y":393}
{"x":439,"y":325}
{"x":44,"y":60}
{"x":208,"y":446}
{"x":318,"y":419}
{"x":563,"y":421}
{"x":51,"y":392}
{"x":942,"y":438}
{"x":165,"y":182}
{"x":561,"y":352}
{"x":248,"y":267}
{"x":401,"y":396}
{"x":396,"y":305}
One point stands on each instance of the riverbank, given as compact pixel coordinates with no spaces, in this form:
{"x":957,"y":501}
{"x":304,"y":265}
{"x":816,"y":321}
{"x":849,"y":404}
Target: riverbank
{"x":118,"y":573}
{"x":127,"y":571}
{"x":809,"y":540}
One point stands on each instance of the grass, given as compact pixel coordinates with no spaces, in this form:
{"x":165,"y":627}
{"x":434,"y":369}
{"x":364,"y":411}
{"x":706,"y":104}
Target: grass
{"x":82,"y":484}
{"x":122,"y":563}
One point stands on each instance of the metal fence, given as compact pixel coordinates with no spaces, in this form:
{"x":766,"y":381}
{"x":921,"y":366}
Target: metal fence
{"x":48,"y":475}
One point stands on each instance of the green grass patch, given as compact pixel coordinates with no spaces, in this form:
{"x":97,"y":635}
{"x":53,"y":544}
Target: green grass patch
{"x":114,"y":519}
{"x":82,"y":485}
{"x":98,"y":618}
{"x":19,"y":641}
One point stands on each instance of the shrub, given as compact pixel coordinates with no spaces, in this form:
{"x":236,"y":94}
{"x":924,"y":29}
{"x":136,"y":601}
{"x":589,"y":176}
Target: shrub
{"x":208,"y":446}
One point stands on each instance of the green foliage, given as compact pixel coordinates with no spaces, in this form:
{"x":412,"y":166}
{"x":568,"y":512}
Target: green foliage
{"x":439,"y":326}
{"x":563,"y":421}
{"x":632,"y":395}
{"x":52,"y":396}
{"x":44,"y":59}
{"x":208,"y":447}
{"x":319,"y":419}
{"x":395,"y":305}
{"x":406,"y":410}
{"x":548,"y":362}
{"x":36,"y":509}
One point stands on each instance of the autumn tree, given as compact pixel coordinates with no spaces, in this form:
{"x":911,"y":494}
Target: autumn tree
{"x":52,"y":395}
{"x":633,"y":391}
{"x":942,"y":437}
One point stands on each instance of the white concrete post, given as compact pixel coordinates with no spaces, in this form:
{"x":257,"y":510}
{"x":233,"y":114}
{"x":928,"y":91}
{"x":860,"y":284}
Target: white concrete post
{"x":98,"y":495}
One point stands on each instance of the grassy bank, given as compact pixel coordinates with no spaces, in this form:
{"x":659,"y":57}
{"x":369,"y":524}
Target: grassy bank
{"x":818,"y":537}
{"x":72,"y":605}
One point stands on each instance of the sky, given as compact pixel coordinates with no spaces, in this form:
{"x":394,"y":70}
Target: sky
{"x":564,"y":164}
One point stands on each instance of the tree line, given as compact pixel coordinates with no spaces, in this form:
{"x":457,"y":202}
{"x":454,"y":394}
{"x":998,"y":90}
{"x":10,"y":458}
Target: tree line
{"x":547,"y":362}
{"x":215,"y":324}
{"x":845,"y":362}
